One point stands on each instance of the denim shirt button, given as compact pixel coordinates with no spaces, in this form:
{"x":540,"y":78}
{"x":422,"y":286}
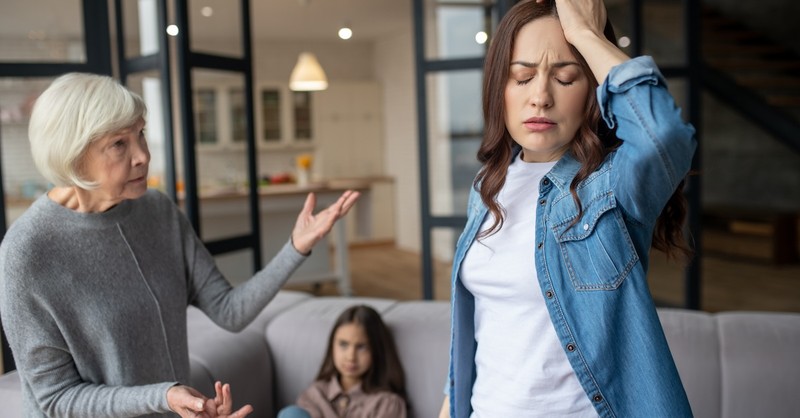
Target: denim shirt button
{"x":542,"y":202}
{"x":546,"y":182}
{"x":539,"y":245}
{"x":585,"y":227}
{"x":549,"y":294}
{"x":570,"y":347}
{"x":597,"y":398}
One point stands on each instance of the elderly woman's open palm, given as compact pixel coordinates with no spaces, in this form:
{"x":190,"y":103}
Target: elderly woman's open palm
{"x":310,"y":228}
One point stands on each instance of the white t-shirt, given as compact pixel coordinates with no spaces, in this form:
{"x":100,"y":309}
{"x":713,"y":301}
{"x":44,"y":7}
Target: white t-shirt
{"x":522,"y":371}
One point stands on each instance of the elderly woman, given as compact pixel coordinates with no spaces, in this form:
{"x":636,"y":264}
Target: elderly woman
{"x":97,"y":274}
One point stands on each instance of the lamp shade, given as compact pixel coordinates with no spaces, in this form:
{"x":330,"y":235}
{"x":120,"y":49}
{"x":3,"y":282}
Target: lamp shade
{"x":308,"y":74}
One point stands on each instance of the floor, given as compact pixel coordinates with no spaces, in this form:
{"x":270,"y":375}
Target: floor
{"x":382,"y":270}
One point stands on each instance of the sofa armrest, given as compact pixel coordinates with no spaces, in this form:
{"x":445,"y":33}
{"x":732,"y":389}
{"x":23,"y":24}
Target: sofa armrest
{"x":11,"y":395}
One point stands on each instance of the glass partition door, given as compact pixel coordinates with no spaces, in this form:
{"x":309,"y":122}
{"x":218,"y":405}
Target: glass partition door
{"x":450,"y":43}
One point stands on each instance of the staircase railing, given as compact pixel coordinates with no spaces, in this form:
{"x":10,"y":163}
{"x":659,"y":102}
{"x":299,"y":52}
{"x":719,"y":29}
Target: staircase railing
{"x":754,"y":107}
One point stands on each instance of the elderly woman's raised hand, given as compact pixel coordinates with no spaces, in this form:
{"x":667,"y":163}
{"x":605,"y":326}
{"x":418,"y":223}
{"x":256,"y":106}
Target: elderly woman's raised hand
{"x":311,"y":228}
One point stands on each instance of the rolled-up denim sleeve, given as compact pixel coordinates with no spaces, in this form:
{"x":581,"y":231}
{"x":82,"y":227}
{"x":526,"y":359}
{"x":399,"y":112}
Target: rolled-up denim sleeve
{"x":624,"y":77}
{"x":658,"y":145}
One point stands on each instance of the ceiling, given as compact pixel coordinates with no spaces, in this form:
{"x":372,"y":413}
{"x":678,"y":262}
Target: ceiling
{"x":317,"y":20}
{"x":321,"y":19}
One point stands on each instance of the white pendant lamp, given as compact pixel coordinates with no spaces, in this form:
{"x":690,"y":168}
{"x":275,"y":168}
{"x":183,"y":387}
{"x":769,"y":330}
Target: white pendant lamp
{"x":308,"y":74}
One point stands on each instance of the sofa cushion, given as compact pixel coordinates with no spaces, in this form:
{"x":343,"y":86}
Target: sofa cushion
{"x":240,"y":359}
{"x":760,"y":371}
{"x":693,"y":340}
{"x":282,"y":301}
{"x":298,"y":338}
{"x":422,"y":334}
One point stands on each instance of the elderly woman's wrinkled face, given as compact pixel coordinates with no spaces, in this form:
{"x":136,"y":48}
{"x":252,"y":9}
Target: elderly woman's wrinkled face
{"x":546,"y":92}
{"x":118,"y":163}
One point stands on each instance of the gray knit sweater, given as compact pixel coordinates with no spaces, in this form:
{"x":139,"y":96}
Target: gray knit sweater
{"x":94,"y":305}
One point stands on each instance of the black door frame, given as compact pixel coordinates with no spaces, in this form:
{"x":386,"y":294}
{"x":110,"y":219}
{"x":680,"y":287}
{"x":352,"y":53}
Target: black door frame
{"x":186,"y":61}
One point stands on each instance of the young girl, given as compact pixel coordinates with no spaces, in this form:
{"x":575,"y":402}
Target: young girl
{"x":361,"y":376}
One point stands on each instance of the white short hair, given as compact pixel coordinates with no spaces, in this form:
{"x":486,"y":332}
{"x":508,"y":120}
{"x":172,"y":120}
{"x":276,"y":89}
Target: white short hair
{"x":76,"y":109}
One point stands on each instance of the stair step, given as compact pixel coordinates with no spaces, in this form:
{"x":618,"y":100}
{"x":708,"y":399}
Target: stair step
{"x":717,"y":21}
{"x":736,"y":48}
{"x":730,"y":35}
{"x":737,"y":63}
{"x":766,"y":81}
{"x":754,"y":61}
{"x":783,"y":100}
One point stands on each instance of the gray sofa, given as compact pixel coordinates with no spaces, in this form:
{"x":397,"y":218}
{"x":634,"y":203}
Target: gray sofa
{"x":736,"y":364}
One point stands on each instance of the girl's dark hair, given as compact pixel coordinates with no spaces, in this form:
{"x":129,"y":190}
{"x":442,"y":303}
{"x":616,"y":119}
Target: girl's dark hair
{"x":386,"y":373}
{"x":592,"y":143}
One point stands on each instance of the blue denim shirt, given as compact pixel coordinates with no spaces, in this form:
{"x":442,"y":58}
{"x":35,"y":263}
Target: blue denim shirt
{"x":593,"y":274}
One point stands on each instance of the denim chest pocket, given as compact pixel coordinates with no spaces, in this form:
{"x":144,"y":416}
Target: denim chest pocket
{"x":598,"y":251}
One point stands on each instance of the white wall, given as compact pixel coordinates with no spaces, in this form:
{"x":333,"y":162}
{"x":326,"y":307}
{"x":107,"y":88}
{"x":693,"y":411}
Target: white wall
{"x":273,"y":63}
{"x":394,"y":69}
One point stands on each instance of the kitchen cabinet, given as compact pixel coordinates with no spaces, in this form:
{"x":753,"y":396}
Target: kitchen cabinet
{"x":283,"y":118}
{"x":349,"y":121}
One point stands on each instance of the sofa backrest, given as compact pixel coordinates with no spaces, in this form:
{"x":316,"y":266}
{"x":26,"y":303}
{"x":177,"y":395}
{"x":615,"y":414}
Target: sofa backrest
{"x":736,"y":364}
{"x":297,"y":340}
{"x":422,"y":334}
{"x":732,"y":364}
{"x":693,"y":340}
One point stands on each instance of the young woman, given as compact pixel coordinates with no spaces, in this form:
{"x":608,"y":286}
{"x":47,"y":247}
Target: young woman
{"x":361,"y":375}
{"x":551,"y":311}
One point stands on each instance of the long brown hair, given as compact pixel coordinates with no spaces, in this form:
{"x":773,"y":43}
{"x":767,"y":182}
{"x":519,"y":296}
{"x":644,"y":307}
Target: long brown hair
{"x":592,"y":143}
{"x":386,"y":372}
